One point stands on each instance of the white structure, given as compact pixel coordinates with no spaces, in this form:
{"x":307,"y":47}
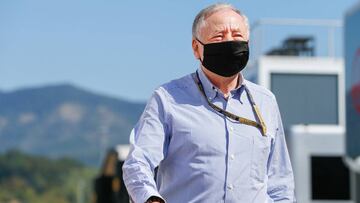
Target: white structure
{"x":123,"y":151}
{"x":305,"y":77}
{"x":309,"y":91}
{"x":323,"y":147}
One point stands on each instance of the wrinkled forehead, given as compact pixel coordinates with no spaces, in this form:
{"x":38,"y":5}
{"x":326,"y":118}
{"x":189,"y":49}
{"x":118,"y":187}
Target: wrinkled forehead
{"x":224,"y":19}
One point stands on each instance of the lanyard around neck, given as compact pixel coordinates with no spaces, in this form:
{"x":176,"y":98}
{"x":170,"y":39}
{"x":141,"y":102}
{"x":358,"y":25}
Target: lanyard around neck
{"x":261,"y":126}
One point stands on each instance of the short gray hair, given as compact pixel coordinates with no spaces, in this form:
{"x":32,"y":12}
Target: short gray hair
{"x":199,"y":20}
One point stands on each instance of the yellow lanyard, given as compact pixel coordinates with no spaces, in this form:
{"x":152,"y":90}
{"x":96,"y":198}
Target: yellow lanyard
{"x":261,"y":126}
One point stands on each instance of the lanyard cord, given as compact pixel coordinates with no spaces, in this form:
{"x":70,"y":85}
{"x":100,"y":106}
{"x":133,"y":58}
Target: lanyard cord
{"x":261,"y":126}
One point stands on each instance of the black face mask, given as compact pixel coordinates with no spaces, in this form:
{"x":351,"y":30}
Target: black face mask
{"x":225,"y":58}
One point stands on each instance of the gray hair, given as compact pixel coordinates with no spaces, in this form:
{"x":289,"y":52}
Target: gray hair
{"x":199,"y":20}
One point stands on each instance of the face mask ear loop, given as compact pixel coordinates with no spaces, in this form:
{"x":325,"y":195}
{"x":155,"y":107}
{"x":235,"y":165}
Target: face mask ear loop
{"x":199,"y":41}
{"x":201,"y":44}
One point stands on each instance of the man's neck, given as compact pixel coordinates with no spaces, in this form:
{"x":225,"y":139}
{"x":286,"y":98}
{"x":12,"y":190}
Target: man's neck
{"x":225,"y":84}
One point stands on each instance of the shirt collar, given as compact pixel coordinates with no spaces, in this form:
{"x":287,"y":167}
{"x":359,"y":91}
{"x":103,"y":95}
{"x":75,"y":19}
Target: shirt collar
{"x":212,"y":91}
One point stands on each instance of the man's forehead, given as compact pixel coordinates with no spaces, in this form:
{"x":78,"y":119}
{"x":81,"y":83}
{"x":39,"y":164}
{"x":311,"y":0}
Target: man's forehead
{"x":225,"y":18}
{"x":223,"y":27}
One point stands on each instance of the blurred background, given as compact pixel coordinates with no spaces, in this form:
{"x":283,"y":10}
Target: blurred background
{"x":75,"y":77}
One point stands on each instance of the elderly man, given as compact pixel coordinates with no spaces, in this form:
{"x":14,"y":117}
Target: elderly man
{"x":211,"y":136}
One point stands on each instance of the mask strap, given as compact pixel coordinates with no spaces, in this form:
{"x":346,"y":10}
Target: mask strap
{"x":199,"y":41}
{"x":200,"y":60}
{"x":201,"y":44}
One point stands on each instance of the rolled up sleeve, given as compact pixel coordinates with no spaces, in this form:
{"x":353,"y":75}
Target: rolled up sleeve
{"x":147,"y":150}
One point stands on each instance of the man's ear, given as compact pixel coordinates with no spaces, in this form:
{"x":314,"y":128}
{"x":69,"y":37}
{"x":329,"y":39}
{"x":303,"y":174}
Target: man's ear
{"x":195,"y":47}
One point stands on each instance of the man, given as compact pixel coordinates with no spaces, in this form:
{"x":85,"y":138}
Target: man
{"x":211,"y":136}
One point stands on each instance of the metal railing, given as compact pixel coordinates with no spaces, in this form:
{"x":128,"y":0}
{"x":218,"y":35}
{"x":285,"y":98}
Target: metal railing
{"x":330,"y":25}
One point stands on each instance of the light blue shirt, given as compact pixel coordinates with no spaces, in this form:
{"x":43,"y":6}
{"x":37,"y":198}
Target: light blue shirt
{"x":203,"y":156}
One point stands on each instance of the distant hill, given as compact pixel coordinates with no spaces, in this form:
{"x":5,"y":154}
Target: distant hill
{"x":64,"y":120}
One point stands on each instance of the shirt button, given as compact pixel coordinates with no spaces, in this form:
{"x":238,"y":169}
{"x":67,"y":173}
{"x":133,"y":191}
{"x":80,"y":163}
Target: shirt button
{"x":231,"y":128}
{"x":232,"y":156}
{"x":209,"y":98}
{"x":230,"y":187}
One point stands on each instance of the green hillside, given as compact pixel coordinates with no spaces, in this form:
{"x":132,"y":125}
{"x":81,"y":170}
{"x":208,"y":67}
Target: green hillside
{"x":35,"y":179}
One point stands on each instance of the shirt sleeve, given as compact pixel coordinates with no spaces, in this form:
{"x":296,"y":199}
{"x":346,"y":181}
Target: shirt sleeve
{"x":280,"y":175}
{"x":146,"y":150}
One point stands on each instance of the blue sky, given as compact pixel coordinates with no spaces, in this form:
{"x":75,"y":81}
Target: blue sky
{"x":121,"y":48}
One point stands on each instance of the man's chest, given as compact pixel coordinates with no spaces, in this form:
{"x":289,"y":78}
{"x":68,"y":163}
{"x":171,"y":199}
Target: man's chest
{"x":201,"y":129}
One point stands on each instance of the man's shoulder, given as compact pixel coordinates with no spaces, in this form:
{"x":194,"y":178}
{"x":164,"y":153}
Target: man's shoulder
{"x":178,"y":86}
{"x":259,"y":90}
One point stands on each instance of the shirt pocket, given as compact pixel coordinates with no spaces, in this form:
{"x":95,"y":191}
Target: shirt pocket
{"x":179,"y":138}
{"x":260,"y":156}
